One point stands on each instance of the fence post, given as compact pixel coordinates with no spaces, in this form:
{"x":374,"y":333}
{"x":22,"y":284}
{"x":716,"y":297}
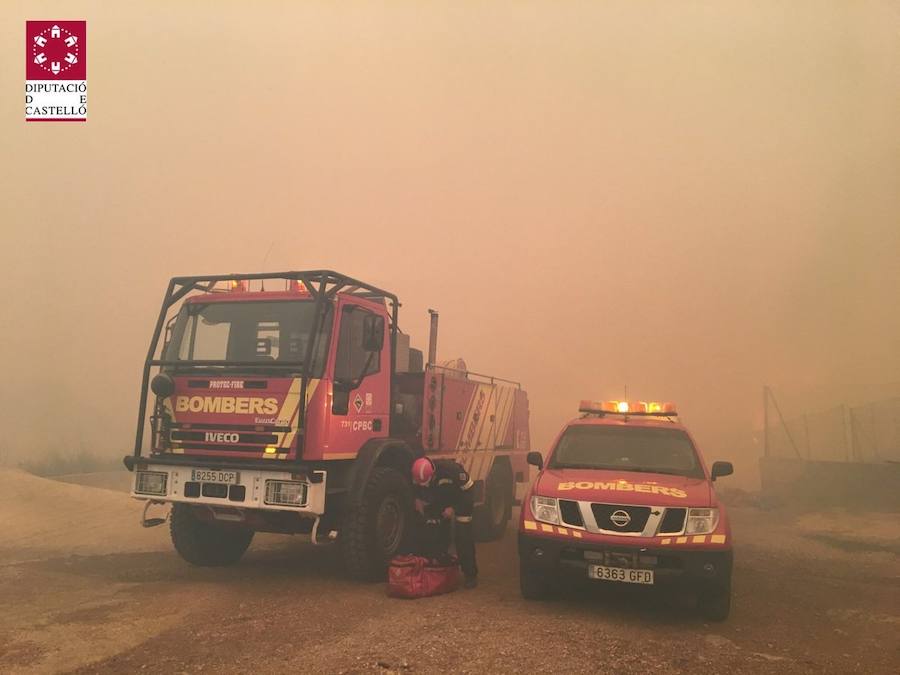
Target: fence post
{"x":765,"y":420}
{"x":806,"y":430}
{"x":844,"y":427}
{"x":784,"y":426}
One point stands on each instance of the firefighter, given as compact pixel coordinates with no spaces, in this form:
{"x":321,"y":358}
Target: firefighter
{"x":443,"y":491}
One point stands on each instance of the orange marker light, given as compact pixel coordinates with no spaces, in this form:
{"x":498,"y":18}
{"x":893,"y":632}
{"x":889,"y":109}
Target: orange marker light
{"x":627,"y":407}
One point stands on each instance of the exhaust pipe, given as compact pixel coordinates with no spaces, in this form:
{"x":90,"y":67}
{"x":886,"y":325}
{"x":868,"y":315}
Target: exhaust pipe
{"x":432,"y":338}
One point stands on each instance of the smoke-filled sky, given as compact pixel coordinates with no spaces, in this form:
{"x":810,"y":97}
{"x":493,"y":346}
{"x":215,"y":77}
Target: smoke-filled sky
{"x":691,"y":199}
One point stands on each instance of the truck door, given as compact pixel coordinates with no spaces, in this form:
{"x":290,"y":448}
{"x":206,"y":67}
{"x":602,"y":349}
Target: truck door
{"x":361,"y":380}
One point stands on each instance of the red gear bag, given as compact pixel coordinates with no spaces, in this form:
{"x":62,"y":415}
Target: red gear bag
{"x":412,"y":576}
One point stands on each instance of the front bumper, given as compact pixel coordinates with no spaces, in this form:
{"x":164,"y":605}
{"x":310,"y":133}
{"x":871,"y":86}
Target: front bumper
{"x":247,"y":492}
{"x":570,"y":558}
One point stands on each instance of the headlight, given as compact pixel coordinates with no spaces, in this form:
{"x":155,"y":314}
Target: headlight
{"x":701,"y":521}
{"x":151,"y":483}
{"x":545,"y":509}
{"x":285,"y":493}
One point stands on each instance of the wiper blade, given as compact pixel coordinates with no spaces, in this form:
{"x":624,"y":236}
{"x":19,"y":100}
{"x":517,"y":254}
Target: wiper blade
{"x":644,"y":469}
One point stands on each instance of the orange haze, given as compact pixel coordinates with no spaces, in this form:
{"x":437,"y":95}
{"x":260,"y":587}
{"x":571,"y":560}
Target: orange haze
{"x":690,"y":199}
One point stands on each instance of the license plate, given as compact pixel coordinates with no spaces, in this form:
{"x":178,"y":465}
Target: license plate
{"x":214,"y":476}
{"x":621,"y":574}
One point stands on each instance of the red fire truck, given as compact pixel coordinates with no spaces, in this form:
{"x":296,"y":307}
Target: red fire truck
{"x":292,"y":402}
{"x":626,"y":497}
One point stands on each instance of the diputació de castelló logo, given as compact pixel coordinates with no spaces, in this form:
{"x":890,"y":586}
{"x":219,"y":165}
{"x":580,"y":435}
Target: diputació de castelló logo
{"x":56,"y":71}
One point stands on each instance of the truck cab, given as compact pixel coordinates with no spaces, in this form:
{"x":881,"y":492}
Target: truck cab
{"x":293,"y":403}
{"x":625,"y":496}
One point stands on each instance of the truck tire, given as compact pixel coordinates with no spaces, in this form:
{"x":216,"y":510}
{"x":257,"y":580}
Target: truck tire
{"x":375,"y":530}
{"x":532,"y":583}
{"x":207,"y":544}
{"x":490,"y":518}
{"x":714,"y":602}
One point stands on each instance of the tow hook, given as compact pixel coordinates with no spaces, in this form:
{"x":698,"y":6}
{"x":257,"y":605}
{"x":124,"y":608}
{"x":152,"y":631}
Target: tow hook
{"x":330,"y":537}
{"x":152,"y":522}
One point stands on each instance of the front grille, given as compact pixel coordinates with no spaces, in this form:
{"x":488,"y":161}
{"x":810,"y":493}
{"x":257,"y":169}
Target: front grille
{"x":201,"y":437}
{"x":673,"y":521}
{"x":229,"y":427}
{"x":606,"y":516}
{"x":571,"y":514}
{"x":224,"y":447}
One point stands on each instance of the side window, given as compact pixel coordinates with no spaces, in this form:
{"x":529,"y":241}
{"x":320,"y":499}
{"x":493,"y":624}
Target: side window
{"x":353,"y":361}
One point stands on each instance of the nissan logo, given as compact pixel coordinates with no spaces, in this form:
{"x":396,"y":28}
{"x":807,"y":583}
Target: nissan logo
{"x":620,"y":518}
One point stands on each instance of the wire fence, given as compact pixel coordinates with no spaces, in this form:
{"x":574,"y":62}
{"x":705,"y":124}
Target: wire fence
{"x":865,"y":433}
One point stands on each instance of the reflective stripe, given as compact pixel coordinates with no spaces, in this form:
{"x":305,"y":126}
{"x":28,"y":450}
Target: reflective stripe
{"x":576,"y":534}
{"x":530,"y":525}
{"x":699,"y":539}
{"x":445,"y":481}
{"x":546,"y":528}
{"x":717,"y":539}
{"x":666,"y":541}
{"x":463,"y":519}
{"x":681,"y":540}
{"x":468,"y":485}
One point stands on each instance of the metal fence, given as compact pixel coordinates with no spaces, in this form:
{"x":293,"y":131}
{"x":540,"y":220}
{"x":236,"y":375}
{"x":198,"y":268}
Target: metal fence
{"x":864,"y":433}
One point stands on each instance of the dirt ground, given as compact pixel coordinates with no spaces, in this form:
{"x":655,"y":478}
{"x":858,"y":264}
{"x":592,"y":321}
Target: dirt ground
{"x":85,"y":589}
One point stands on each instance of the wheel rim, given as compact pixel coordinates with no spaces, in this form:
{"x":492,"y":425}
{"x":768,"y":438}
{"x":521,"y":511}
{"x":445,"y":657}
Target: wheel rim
{"x":389,"y":524}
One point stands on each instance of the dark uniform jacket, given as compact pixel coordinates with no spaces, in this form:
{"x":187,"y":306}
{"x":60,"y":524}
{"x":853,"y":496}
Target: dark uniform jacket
{"x":451,"y":486}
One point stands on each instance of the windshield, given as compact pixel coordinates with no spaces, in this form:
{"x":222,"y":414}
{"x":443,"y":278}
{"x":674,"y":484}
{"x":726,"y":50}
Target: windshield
{"x":253,"y":331}
{"x":627,"y":448}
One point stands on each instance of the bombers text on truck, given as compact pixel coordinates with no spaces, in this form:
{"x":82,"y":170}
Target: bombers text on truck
{"x":298,"y":406}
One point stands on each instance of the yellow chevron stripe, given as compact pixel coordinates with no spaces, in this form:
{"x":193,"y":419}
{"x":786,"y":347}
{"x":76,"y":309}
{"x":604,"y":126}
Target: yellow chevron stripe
{"x":287,"y":438}
{"x":504,"y":421}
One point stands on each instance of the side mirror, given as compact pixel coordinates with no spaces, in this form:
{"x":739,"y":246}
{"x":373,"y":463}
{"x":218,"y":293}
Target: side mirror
{"x":373,"y":333}
{"x":721,"y":469}
{"x":535,"y":459}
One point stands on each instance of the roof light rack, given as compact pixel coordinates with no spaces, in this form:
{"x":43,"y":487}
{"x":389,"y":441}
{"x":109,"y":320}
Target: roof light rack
{"x":647,"y":408}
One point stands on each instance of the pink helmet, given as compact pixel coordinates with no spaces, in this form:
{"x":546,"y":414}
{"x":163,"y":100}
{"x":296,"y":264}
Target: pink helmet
{"x":422,"y":471}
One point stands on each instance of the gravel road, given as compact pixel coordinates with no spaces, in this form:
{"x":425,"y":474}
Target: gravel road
{"x":804,"y":603}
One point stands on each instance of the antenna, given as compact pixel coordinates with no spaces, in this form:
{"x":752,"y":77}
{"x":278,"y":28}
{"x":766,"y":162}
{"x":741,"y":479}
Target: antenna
{"x":262,"y":282}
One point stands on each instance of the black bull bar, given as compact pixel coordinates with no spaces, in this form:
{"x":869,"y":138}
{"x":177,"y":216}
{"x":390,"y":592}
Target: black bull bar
{"x":322,"y":285}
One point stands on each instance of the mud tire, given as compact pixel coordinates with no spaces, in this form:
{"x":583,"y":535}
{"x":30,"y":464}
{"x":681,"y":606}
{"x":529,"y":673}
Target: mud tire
{"x":206,"y":544}
{"x":366,"y":550}
{"x":714,"y":602}
{"x":533,"y":584}
{"x":490,"y":519}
